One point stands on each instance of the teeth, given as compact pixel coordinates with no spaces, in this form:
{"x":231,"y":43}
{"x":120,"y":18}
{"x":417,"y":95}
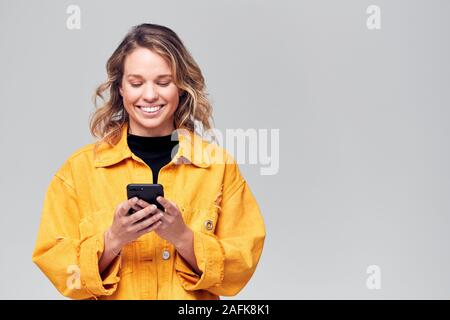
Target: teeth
{"x":151,"y":109}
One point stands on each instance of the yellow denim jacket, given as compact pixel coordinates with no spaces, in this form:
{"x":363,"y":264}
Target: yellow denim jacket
{"x":213,"y":197}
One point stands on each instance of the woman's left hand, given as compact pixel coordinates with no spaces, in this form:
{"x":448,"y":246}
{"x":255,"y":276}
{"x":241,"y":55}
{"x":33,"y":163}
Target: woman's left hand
{"x":172,"y":228}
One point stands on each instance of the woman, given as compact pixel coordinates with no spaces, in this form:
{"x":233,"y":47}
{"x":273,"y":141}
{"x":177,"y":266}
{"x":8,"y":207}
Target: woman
{"x":209,"y":238}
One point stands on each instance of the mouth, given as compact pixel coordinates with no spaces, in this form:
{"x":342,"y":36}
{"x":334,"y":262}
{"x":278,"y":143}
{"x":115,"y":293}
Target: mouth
{"x":151,"y":110}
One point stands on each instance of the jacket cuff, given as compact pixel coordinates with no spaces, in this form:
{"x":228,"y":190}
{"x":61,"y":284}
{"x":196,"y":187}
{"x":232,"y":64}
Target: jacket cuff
{"x":89,"y":255}
{"x":210,"y":258}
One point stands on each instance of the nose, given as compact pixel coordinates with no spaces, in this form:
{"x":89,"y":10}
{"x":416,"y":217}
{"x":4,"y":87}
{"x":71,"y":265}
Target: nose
{"x":150,"y":93}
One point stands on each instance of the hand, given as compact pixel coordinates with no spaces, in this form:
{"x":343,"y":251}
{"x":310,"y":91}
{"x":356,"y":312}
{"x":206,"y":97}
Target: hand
{"x":172,"y":228}
{"x":126,"y":228}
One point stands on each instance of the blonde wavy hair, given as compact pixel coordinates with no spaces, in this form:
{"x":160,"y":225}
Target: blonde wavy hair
{"x":194,"y":110}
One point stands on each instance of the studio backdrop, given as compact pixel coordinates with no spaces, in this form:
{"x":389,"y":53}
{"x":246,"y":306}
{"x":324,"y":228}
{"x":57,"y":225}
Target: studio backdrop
{"x":337,"y":112}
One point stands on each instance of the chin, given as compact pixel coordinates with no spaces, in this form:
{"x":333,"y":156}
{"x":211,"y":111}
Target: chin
{"x":149,"y":124}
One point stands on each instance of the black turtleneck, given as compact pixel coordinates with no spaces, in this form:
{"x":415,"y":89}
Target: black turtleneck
{"x":155,"y":151}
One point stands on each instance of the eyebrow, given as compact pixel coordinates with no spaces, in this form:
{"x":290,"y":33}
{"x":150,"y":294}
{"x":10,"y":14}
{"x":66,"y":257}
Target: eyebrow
{"x":139,"y":76}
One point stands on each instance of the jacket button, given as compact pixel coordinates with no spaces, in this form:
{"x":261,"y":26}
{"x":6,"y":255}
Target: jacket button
{"x":209,"y":225}
{"x":166,"y":255}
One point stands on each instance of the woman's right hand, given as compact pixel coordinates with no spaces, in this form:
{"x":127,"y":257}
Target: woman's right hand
{"x":126,"y":228}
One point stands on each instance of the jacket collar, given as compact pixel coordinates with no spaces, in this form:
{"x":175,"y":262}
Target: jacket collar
{"x":191,"y":150}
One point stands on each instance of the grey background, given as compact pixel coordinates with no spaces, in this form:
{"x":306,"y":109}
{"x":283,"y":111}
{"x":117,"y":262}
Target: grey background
{"x":363,"y":116}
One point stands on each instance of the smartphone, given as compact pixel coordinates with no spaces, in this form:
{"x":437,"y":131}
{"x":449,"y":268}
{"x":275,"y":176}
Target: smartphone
{"x":146,"y":192}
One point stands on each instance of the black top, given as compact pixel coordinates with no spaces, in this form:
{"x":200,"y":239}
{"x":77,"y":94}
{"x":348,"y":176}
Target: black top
{"x":155,"y":151}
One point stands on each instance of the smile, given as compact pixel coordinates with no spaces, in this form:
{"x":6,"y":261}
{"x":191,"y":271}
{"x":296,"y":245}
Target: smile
{"x":152,"y":109}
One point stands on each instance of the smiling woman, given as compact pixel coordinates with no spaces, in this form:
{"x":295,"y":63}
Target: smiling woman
{"x":208,"y":239}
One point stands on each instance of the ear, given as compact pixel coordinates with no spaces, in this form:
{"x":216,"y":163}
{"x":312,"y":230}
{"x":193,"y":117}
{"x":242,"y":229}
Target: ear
{"x":120,"y":90}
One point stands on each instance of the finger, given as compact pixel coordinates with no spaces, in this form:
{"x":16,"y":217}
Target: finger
{"x":134,"y":207}
{"x":137,"y":207}
{"x":147,"y":222}
{"x":125,"y":206}
{"x":159,"y":211}
{"x":168,"y":205}
{"x":143,"y":203}
{"x":153,"y":227}
{"x":141,"y":214}
{"x":167,"y":220}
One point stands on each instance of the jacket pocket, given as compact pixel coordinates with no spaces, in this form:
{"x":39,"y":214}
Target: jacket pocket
{"x":204,"y":219}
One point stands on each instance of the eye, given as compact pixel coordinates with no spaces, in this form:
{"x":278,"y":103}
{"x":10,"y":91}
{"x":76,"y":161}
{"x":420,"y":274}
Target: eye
{"x":164,"y":84}
{"x":135,"y":85}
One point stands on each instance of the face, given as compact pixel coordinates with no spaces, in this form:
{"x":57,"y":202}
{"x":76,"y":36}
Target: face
{"x":149,"y":94}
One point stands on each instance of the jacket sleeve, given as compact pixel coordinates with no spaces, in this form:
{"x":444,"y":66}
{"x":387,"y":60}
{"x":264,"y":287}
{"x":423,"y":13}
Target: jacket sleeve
{"x":69,"y":261}
{"x":227,"y":258}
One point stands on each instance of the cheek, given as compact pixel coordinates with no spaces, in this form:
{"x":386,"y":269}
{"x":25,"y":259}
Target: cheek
{"x":171,"y":95}
{"x":130,"y":95}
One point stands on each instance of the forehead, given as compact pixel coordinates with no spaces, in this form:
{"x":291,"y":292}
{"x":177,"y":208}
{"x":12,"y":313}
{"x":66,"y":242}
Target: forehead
{"x":146,"y":63}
